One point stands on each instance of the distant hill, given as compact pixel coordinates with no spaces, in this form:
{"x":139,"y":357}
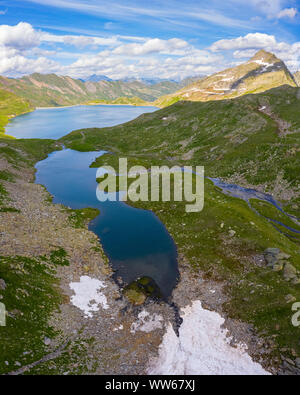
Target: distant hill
{"x":43,"y":90}
{"x":134,"y":101}
{"x":297,"y":77}
{"x":96,"y":78}
{"x":262,"y":72}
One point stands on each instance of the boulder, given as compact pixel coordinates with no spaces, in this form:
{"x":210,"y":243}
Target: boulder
{"x":2,"y":285}
{"x":289,"y":272}
{"x":271,"y":256}
{"x":290,"y":299}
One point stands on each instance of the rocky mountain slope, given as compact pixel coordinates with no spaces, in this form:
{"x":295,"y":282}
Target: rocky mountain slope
{"x":262,"y":72}
{"x":297,"y":77}
{"x":53,"y":90}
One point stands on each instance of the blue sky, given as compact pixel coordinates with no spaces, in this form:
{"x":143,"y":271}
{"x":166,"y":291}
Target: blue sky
{"x":122,"y":38}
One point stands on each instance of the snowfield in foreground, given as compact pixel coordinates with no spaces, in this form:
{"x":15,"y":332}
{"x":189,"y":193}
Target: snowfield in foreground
{"x":202,"y":347}
{"x":88,"y":295}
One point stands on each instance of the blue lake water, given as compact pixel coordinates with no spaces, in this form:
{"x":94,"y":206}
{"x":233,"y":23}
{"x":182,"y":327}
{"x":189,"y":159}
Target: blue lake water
{"x":53,"y":123}
{"x":135,"y":240}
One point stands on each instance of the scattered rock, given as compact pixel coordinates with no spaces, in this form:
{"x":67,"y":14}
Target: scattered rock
{"x":298,"y":362}
{"x":283,"y":256}
{"x":271,"y":256}
{"x":278,"y":267}
{"x":47,"y":341}
{"x":232,"y":233}
{"x":2,"y":285}
{"x":296,"y":281}
{"x":290,"y":299}
{"x":290,"y":272}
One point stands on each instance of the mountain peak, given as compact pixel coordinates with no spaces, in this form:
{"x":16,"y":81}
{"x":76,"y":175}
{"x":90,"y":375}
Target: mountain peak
{"x":264,"y":56}
{"x":262,"y":72}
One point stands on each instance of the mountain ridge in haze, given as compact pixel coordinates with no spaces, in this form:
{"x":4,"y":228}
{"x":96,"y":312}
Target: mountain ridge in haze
{"x":43,"y":90}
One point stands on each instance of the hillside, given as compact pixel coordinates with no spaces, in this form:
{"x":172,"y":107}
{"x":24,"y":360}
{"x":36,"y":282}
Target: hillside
{"x":252,"y":141}
{"x":10,"y":106}
{"x":226,"y":136}
{"x":262,"y":72}
{"x":44,"y":90}
{"x":133,"y":101}
{"x":297,"y":77}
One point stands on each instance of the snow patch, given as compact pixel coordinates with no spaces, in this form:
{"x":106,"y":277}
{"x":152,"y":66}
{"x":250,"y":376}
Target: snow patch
{"x":202,"y":347}
{"x":120,"y":328}
{"x":147,"y":323}
{"x":88,"y":296}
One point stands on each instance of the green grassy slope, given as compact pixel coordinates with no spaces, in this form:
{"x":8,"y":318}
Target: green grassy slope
{"x":134,"y":101}
{"x":10,"y":106}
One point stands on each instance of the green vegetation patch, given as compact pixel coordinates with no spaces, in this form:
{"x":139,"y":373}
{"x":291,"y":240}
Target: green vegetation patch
{"x":31,"y":295}
{"x":79,"y":218}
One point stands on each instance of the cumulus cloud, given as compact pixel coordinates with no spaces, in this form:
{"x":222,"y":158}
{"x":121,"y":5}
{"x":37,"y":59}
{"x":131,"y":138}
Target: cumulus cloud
{"x":245,"y":47}
{"x":17,"y":41}
{"x":250,"y":41}
{"x":24,"y":50}
{"x":21,"y":36}
{"x":152,"y":46}
{"x":118,"y":66}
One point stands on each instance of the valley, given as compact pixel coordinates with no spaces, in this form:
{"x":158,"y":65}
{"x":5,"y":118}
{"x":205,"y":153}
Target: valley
{"x":238,"y":260}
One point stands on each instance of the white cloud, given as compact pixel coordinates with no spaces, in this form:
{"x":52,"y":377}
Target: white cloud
{"x":246,"y":46}
{"x":274,"y":9}
{"x":244,"y":54}
{"x":24,"y":50}
{"x":250,"y":41}
{"x":287,"y":13}
{"x":79,"y":41}
{"x":152,"y":46}
{"x":19,"y":65}
{"x":268,"y":7}
{"x":21,"y":36}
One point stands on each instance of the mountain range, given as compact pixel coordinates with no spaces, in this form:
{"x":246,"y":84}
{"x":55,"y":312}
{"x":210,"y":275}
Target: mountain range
{"x":262,"y":72}
{"x":43,"y":90}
